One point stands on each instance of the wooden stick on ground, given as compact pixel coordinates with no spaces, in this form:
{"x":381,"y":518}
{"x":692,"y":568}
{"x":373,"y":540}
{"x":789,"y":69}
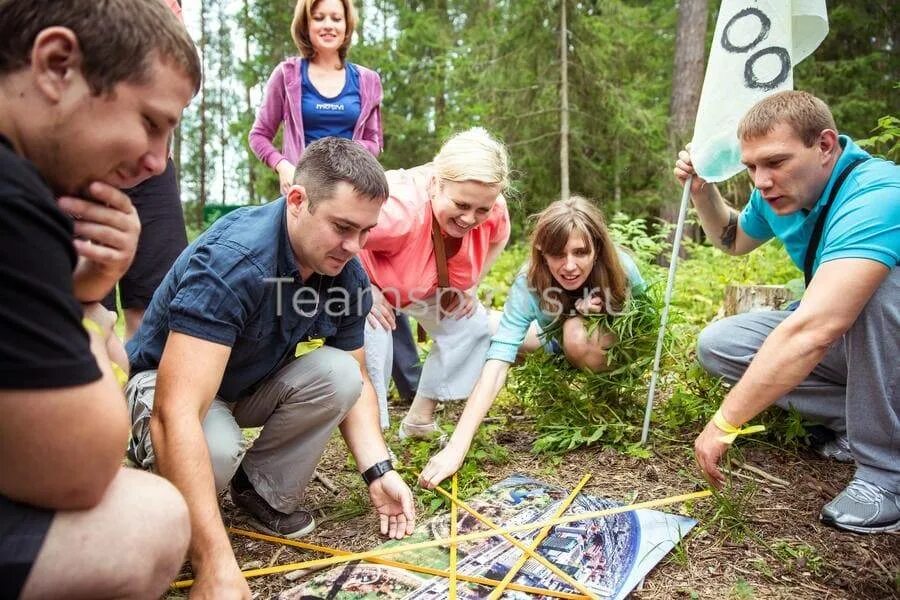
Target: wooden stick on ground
{"x":326,"y":482}
{"x":764,"y":475}
{"x":454,"y":487}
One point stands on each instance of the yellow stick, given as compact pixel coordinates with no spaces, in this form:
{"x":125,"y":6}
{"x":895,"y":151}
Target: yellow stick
{"x":509,"y":538}
{"x":391,"y":563}
{"x":507,"y":579}
{"x":453,"y":525}
{"x":476,"y":535}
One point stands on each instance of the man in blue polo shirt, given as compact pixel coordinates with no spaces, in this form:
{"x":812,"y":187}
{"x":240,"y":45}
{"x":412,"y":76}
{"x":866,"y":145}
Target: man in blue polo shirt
{"x":834,"y":358}
{"x":260,"y":323}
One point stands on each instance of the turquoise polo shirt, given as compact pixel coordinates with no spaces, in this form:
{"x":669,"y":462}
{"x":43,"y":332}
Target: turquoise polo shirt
{"x":864,"y":221}
{"x":523,"y":306}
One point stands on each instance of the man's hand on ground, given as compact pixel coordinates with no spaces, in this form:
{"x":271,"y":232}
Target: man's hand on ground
{"x":223,"y":582}
{"x":708,"y":450}
{"x":393,"y":500}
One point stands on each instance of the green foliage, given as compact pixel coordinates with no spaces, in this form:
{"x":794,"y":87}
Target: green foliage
{"x":576,"y":408}
{"x":447,"y":65}
{"x":415,"y":453}
{"x":638,"y":237}
{"x":742,"y":590}
{"x":727,"y":513}
{"x":694,"y":398}
{"x":495,"y":285}
{"x":856,"y":67}
{"x":701,"y":281}
{"x":886,"y":141}
{"x":799,"y":556}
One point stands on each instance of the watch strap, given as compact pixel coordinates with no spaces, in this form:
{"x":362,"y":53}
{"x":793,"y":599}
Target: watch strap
{"x":376,"y":471}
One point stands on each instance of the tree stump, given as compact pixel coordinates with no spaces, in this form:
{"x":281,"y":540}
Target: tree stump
{"x":752,"y":298}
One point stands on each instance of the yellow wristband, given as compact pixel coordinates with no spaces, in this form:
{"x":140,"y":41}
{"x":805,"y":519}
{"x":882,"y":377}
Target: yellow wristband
{"x":731,"y":432}
{"x":92,"y":326}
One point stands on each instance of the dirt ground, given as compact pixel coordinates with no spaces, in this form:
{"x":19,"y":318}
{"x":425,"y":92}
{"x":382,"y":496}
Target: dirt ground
{"x":761,"y":540}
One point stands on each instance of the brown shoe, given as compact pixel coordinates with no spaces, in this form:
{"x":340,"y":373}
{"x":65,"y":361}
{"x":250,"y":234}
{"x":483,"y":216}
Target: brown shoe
{"x":264,"y":517}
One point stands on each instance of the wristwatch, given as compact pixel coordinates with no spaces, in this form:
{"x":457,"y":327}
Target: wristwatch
{"x":376,"y":471}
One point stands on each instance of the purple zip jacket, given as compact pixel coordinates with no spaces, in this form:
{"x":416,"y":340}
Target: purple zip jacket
{"x":281,"y":104}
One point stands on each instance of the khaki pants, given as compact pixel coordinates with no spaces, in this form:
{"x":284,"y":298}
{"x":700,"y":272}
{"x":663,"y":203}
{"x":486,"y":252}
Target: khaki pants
{"x":298,"y":408}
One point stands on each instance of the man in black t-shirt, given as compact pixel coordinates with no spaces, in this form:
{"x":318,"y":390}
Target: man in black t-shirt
{"x":89,"y":92}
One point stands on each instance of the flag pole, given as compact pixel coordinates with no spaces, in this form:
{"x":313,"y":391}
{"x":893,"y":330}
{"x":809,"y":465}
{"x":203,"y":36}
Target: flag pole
{"x":670,"y":283}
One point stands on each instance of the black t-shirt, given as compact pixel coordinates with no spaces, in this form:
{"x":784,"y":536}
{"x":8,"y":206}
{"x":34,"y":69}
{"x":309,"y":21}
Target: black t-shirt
{"x":42,"y":341}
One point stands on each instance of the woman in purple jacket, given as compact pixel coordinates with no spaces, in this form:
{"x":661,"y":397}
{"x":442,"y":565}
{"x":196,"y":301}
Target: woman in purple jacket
{"x":319,"y":94}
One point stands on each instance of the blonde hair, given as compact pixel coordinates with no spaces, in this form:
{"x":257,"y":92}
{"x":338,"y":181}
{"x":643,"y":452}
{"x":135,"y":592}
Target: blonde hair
{"x":807,"y":115}
{"x":300,"y":28}
{"x":552,"y":228}
{"x":473,"y":155}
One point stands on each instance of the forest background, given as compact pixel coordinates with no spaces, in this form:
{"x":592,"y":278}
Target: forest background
{"x":597,"y":97}
{"x":611,"y":110}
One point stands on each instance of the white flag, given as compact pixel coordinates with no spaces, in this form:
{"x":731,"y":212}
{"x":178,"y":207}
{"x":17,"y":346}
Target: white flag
{"x":754,"y":50}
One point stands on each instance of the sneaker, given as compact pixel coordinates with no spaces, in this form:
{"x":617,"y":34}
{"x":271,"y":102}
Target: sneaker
{"x":422,"y":431}
{"x":837,"y":448}
{"x":863,"y":507}
{"x":264,"y":517}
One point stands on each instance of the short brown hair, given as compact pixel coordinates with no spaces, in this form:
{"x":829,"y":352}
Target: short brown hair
{"x":807,"y":115}
{"x":119,"y":39}
{"x":332,"y":160}
{"x":300,"y":27}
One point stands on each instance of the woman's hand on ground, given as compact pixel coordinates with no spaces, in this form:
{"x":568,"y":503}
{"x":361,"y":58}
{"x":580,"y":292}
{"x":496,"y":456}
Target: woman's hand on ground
{"x":441,"y":466}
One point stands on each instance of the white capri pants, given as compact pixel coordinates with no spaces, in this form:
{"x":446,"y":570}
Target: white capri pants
{"x":453,"y":364}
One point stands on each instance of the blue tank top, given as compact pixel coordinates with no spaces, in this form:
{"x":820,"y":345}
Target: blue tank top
{"x":323,"y":116}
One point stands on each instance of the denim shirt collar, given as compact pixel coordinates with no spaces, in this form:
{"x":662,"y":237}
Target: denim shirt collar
{"x":287,"y":264}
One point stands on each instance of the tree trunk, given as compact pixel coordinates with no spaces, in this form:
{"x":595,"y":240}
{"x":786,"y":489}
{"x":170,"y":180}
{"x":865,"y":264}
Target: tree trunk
{"x":441,"y":71}
{"x":563,"y":103}
{"x":223,"y":39}
{"x":687,"y":82}
{"x":201,"y":197}
{"x":687,"y":75}
{"x":176,"y":145}
{"x":176,"y":153}
{"x":617,"y":174}
{"x":251,"y":158}
{"x":752,"y":298}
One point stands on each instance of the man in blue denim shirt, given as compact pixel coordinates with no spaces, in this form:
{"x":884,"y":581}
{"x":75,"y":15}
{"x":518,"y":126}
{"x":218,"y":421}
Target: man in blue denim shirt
{"x":260,"y":323}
